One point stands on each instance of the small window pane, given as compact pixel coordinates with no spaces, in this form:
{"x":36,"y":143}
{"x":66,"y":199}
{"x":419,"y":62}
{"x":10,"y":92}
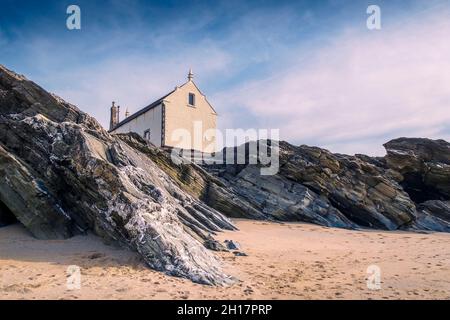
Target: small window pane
{"x":192,"y":99}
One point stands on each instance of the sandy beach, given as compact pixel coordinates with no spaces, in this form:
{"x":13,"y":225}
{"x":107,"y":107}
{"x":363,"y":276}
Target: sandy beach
{"x":285,"y":261}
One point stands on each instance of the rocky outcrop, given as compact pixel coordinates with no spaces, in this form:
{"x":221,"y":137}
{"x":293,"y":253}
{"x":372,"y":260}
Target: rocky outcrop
{"x":437,"y":208}
{"x":62,"y":174}
{"x":433,"y":215}
{"x":196,"y":181}
{"x":244,"y":192}
{"x":424,"y":165}
{"x":316,"y":186}
{"x":365,"y":193}
{"x":279,"y":198}
{"x":424,"y":173}
{"x":312,"y":185}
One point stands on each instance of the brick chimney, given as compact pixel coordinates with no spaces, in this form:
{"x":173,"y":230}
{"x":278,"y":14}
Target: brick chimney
{"x":114,"y":119}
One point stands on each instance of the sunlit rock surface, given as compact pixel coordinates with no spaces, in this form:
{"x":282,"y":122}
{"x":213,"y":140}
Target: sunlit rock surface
{"x":63,"y":174}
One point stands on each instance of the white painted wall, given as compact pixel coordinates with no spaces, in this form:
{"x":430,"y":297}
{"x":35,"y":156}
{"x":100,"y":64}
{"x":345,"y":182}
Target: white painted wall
{"x":180,"y":115}
{"x":152,"y":119}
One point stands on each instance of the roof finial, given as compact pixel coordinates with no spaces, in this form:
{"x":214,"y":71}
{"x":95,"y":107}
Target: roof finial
{"x":190,"y":75}
{"x":127,"y":114}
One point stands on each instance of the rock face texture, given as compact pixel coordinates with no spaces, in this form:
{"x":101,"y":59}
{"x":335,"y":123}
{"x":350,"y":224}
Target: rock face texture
{"x":196,"y":181}
{"x":279,"y":198}
{"x":424,"y":165}
{"x":365,"y":193}
{"x":242,"y":192}
{"x":433,"y":215}
{"x":62,"y":174}
{"x":316,"y":186}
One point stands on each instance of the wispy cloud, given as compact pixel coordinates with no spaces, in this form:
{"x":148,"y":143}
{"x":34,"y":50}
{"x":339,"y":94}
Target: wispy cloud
{"x":315,"y":72}
{"x":136,"y":80}
{"x":360,"y":89}
{"x":133,"y":66}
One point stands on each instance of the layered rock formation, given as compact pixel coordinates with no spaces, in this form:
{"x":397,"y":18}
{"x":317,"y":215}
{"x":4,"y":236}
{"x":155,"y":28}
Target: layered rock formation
{"x":314,"y":185}
{"x":62,"y":174}
{"x":365,"y":193}
{"x":240,"y":191}
{"x":424,"y":167}
{"x":433,"y":215}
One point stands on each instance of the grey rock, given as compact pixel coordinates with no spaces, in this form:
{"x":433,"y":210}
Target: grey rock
{"x":62,"y":174}
{"x":440,"y":209}
{"x":313,"y":185}
{"x":232,"y":245}
{"x":433,"y":215}
{"x":196,"y":181}
{"x":29,"y":199}
{"x":215,"y":245}
{"x":424,"y":165}
{"x":279,"y":198}
{"x":317,"y":186}
{"x":361,"y":190}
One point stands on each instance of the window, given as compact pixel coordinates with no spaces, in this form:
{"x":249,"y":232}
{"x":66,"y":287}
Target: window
{"x":147,"y":134}
{"x":191,"y":99}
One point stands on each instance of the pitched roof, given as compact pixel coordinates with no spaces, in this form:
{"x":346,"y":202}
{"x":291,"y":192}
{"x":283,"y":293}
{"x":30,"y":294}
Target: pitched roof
{"x":214,"y":110}
{"x":156,"y":103}
{"x":142,"y":111}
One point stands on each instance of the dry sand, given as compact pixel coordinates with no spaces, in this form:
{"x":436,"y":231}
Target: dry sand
{"x":285,"y":261}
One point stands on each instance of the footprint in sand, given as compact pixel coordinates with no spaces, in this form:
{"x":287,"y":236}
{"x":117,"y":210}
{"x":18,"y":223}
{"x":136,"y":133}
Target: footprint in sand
{"x":95,"y":255}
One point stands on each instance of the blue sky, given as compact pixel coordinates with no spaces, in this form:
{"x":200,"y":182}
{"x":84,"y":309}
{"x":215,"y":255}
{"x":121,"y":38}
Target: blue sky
{"x":310,"y":68}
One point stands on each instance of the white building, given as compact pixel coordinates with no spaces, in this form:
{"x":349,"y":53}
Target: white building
{"x":182,"y":118}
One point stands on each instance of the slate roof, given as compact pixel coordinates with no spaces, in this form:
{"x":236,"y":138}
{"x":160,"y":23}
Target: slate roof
{"x":153,"y":105}
{"x":142,"y":111}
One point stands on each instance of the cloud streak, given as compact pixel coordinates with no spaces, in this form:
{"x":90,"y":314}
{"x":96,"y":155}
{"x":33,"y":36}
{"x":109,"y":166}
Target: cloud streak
{"x":314,"y":72}
{"x":360,"y":89}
